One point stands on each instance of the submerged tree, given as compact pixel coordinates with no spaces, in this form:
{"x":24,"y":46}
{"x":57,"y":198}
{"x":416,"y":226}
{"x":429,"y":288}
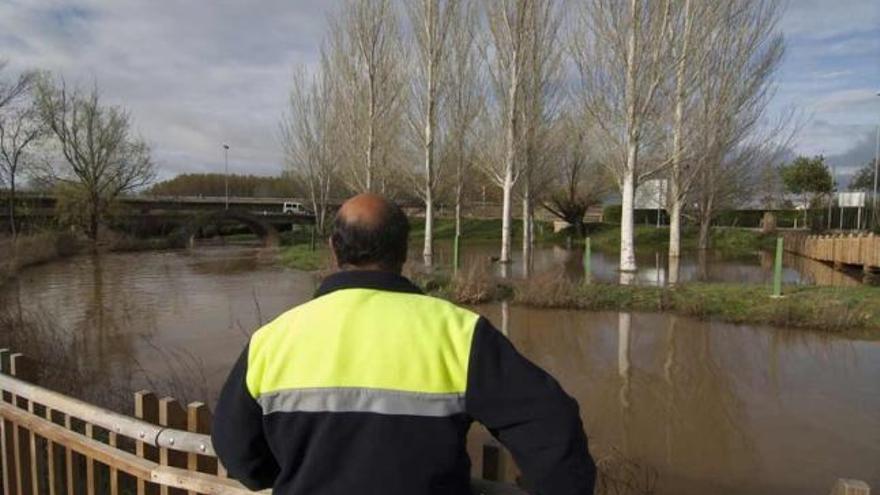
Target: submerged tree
{"x":465,"y":100}
{"x":620,"y":50}
{"x":580,"y":181}
{"x":510,"y":31}
{"x":433,"y":25}
{"x":101,"y":158}
{"x":541,"y":96}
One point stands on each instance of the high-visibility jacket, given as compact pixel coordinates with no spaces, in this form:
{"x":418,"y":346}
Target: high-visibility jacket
{"x":370,"y":388}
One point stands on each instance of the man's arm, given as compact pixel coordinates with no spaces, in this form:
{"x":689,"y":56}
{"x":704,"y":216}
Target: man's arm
{"x":238,"y":432}
{"x":527,"y":410}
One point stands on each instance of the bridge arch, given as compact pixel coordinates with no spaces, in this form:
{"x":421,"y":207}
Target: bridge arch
{"x":267,"y":233}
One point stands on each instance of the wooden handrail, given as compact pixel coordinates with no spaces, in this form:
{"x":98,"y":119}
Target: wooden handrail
{"x":142,"y":431}
{"x":119,"y":459}
{"x":156,"y":436}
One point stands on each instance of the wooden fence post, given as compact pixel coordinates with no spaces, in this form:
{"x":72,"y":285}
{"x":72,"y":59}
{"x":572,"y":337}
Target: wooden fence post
{"x":146,"y":407}
{"x":23,"y":440}
{"x":198,"y":420}
{"x":9,"y":475}
{"x":172,"y":416}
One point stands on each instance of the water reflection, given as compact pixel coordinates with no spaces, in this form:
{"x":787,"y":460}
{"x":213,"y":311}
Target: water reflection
{"x":655,"y":267}
{"x":715,"y":408}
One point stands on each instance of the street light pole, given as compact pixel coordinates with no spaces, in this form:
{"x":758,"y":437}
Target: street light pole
{"x":876,"y":167}
{"x":226,"y":175}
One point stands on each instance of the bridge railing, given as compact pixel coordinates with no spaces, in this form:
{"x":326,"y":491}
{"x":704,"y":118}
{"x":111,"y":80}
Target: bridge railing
{"x":840,"y":249}
{"x":54,"y":444}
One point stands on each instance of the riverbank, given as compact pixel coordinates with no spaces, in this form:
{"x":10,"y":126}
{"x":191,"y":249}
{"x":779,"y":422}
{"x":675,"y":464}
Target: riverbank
{"x":850,"y":311}
{"x":853,"y":311}
{"x":50,"y":245}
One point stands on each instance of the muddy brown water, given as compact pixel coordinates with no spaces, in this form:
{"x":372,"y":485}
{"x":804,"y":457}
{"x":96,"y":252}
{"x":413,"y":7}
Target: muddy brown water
{"x":707,"y":407}
{"x":653,"y":269}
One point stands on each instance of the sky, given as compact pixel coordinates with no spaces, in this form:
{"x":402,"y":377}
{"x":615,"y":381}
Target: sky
{"x":199,"y":73}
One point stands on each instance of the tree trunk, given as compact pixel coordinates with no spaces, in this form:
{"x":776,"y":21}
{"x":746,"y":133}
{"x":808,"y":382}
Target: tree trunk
{"x":526,"y":220}
{"x":428,"y":251}
{"x":458,"y":197}
{"x":506,"y":219}
{"x":12,"y":205}
{"x":510,"y":158}
{"x":677,"y":185}
{"x":371,"y":139}
{"x":675,"y":226}
{"x":93,"y":224}
{"x":627,"y":245}
{"x":705,"y":229}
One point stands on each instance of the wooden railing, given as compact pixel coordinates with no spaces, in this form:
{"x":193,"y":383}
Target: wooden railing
{"x":840,"y":249}
{"x":54,"y":444}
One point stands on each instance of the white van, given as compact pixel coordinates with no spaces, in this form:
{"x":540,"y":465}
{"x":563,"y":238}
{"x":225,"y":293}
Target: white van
{"x":294,"y":208}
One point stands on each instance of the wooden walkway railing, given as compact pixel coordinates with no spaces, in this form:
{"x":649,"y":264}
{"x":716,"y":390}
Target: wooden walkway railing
{"x":840,"y":249}
{"x":54,"y":444}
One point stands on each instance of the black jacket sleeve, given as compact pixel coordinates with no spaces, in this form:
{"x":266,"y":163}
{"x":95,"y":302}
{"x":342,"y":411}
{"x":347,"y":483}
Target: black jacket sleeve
{"x":527,"y":410}
{"x":237,"y":432}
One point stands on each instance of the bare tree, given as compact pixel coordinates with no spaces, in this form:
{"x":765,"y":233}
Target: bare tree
{"x":431,"y":22}
{"x":11,"y":90}
{"x":365,"y":55}
{"x":734,"y":87}
{"x":103,"y":160}
{"x":579,"y":180}
{"x":541,"y":94}
{"x":20,"y":130}
{"x":621,"y":53}
{"x":465,"y":100}
{"x":308,"y":134}
{"x":695,"y":20}
{"x":509,"y":33}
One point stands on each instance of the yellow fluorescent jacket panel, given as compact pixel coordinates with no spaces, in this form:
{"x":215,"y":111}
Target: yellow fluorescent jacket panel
{"x":364,"y":338}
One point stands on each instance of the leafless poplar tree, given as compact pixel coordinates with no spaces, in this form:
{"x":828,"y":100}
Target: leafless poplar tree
{"x":365,"y":54}
{"x":541,"y":94}
{"x":620,"y":49}
{"x":509,"y":34}
{"x":432,"y":23}
{"x":103,"y":160}
{"x":465,"y":100}
{"x":309,"y":138}
{"x":734,"y":86}
{"x":20,"y":130}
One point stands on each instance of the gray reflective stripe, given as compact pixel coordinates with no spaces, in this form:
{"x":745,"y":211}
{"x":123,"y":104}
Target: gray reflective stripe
{"x":350,"y":399}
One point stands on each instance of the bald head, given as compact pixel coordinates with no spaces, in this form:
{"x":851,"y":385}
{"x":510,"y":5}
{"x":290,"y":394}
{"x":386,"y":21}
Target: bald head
{"x":370,"y":232}
{"x":365,"y":209}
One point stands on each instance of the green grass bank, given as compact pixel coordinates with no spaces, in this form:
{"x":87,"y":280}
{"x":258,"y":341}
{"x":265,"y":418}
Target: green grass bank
{"x":851,"y":311}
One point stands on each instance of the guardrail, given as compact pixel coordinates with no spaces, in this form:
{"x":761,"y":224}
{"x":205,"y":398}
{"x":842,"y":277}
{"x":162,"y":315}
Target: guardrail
{"x":54,"y":444}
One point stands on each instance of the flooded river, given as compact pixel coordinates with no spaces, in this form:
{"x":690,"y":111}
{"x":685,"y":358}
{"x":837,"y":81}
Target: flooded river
{"x":708,"y":407}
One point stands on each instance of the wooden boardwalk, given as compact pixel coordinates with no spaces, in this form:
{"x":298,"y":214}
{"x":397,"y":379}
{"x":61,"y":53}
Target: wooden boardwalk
{"x":862,"y":250}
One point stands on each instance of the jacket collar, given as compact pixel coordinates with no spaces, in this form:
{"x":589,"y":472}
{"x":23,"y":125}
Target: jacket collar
{"x":366,"y":279}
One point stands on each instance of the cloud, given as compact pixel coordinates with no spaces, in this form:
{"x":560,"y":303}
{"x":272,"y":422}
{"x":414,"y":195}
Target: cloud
{"x":858,"y":155}
{"x":820,"y":19}
{"x":193,"y":74}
